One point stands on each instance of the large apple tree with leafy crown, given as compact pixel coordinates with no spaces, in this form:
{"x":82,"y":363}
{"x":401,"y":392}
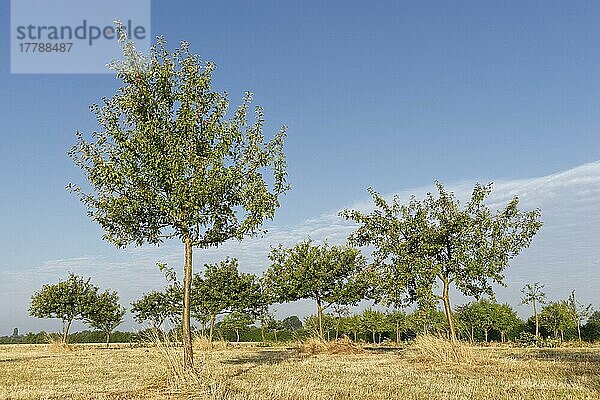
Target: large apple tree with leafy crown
{"x":169,"y":161}
{"x":423,"y":248}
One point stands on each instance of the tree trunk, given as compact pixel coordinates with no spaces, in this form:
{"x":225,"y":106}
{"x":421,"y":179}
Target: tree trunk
{"x":262,"y":334}
{"x":65,"y":337}
{"x":355,"y":336}
{"x":188,"y":356}
{"x":373,"y":336}
{"x":537,"y":321}
{"x":579,"y":331}
{"x":472,"y":334}
{"x":320,"y":318}
{"x":212,"y":328}
{"x":397,"y":332}
{"x":237,"y":335}
{"x":448,"y":309}
{"x":275,"y":332}
{"x":486,"y":335}
{"x":107,"y":340}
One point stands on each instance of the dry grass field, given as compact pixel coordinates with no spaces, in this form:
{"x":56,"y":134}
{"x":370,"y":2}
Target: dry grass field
{"x":424,"y":371}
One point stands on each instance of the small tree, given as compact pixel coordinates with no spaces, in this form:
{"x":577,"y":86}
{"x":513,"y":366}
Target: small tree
{"x":68,"y":300}
{"x":269,"y":323}
{"x":339,"y":312}
{"x":154,"y":307}
{"x":507,"y":320}
{"x":579,"y":312}
{"x":591,"y":330}
{"x":427,"y":320}
{"x":327,"y":275}
{"x":424,"y":244}
{"x":353,"y":324}
{"x":374,"y":322}
{"x":167,"y":162}
{"x":327,"y":324}
{"x":222,"y":289}
{"x":533,"y":294}
{"x":236,"y":322}
{"x":105,"y":313}
{"x":274,"y":325}
{"x":468,"y":319}
{"x":292,"y":323}
{"x":398,"y":320}
{"x":485,"y":317}
{"x":557,"y":317}
{"x":266,"y":319}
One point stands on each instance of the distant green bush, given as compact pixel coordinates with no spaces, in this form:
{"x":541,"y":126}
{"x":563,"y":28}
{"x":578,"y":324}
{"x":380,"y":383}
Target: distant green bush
{"x":77,"y":337}
{"x":528,"y":339}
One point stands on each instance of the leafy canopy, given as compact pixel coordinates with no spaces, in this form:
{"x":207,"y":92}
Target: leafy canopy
{"x":533,"y":293}
{"x":168,"y":159}
{"x":72,"y":299}
{"x":154,"y":307}
{"x":291,"y":323}
{"x":331,"y":275}
{"x":426,"y":242}
{"x":222,"y":289}
{"x":235,"y":322}
{"x":486,"y":315}
{"x":105,"y":313}
{"x":557,"y":317}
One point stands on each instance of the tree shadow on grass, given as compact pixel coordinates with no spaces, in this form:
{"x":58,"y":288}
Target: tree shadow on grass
{"x":248,"y":362}
{"x":262,"y":357}
{"x":384,"y":350}
{"x":27,"y":358}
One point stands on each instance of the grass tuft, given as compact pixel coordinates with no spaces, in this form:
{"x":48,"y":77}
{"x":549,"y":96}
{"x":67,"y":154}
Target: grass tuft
{"x":314,"y":346}
{"x":56,"y":345}
{"x":203,"y":380}
{"x":203,"y":343}
{"x":433,"y":349}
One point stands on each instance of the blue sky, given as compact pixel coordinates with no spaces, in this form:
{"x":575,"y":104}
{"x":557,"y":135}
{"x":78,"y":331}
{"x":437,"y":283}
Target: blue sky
{"x":385,"y":94}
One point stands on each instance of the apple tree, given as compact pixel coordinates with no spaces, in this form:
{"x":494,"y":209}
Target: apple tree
{"x":69,"y":300}
{"x":170,"y":160}
{"x":434,"y":243}
{"x":105,"y":313}
{"x":326,"y":274}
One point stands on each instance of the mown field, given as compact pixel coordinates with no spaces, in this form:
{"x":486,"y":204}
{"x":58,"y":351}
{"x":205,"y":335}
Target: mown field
{"x":91,"y":372}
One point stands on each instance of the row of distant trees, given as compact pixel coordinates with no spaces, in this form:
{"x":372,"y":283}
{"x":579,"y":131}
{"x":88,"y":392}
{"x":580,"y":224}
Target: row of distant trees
{"x":235,"y":303}
{"x":482,"y":321}
{"x":85,"y":336}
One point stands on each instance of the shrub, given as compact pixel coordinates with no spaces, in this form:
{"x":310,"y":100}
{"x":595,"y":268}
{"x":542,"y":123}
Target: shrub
{"x":428,"y":348}
{"x":528,"y":339}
